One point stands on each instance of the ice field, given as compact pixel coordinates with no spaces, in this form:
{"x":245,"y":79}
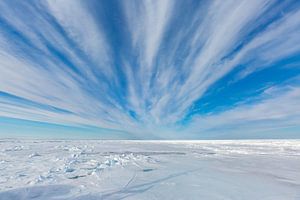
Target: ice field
{"x":95,"y":169}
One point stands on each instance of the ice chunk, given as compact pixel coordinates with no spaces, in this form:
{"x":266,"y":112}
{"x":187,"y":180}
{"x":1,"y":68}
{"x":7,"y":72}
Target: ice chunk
{"x":35,"y":154}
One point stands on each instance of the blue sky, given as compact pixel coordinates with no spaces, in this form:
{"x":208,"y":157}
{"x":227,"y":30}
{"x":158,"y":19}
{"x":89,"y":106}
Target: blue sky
{"x":141,"y":69}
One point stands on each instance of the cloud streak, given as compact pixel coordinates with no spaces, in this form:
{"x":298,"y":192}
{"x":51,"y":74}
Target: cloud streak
{"x":142,"y":67}
{"x":271,"y":112}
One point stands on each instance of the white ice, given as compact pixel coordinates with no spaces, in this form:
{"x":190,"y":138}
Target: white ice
{"x":93,"y":169}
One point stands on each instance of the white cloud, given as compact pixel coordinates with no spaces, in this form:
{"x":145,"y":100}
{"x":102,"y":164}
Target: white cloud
{"x":219,"y":31}
{"x":158,"y":89}
{"x":277,"y":108}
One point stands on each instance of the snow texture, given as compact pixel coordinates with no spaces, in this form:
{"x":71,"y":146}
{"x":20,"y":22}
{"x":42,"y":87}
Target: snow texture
{"x":94,"y":169}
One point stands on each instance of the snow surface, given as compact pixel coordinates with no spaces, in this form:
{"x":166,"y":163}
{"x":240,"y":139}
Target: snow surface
{"x":93,"y":169}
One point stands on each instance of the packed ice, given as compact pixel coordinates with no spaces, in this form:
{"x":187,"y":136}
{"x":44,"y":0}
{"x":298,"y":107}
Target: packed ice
{"x":103,"y":169}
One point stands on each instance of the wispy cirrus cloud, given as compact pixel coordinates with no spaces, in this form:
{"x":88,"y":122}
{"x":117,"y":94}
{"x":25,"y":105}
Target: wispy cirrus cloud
{"x":143,"y":66}
{"x":277,"y":109}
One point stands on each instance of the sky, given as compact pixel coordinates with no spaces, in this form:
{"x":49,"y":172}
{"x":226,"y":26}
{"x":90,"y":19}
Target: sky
{"x":150,"y":69}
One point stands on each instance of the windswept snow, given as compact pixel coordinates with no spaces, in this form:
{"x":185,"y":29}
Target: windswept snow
{"x":92,"y":169}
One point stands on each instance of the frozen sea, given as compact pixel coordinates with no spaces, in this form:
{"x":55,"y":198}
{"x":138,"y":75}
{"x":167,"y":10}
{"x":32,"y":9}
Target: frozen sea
{"x":97,"y":169}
